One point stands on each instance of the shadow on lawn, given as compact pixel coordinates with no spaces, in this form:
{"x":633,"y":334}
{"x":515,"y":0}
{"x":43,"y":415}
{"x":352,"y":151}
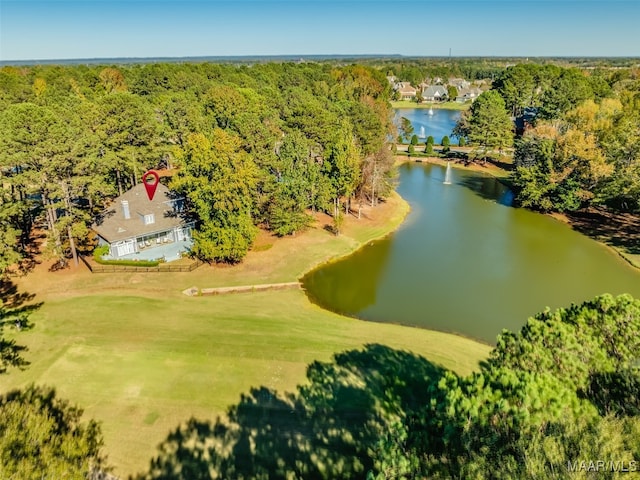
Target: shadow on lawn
{"x":14,"y":314}
{"x":330,"y":428}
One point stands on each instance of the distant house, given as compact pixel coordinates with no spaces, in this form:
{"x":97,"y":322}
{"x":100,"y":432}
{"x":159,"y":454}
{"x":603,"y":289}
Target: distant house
{"x":468,"y":94}
{"x":135,"y":227}
{"x":407,"y":92}
{"x":434,"y":93}
{"x":459,"y":83}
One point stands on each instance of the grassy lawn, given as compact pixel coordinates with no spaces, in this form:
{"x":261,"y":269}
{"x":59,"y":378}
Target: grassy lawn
{"x":141,"y":366}
{"x":141,"y":357}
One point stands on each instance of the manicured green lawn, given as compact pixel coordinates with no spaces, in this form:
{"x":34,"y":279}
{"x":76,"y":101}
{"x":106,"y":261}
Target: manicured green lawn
{"x":141,"y":357}
{"x":141,"y":366}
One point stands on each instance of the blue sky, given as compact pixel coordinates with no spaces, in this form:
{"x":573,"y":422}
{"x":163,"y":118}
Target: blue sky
{"x":144,"y":28}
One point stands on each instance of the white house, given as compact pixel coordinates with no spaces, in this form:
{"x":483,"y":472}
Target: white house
{"x":468,"y":94}
{"x":407,"y":92}
{"x":135,"y":227}
{"x":434,"y":93}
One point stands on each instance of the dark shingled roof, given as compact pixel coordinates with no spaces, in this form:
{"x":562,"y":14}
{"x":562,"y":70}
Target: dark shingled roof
{"x":112,"y":226}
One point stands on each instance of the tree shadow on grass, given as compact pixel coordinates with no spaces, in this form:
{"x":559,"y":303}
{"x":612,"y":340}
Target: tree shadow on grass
{"x":330,"y":428}
{"x":14,"y":314}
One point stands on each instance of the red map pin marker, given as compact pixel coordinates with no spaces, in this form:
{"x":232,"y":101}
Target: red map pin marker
{"x":151,"y":180}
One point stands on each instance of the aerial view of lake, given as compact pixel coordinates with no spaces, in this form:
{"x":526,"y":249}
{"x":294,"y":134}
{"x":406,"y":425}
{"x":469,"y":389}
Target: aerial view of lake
{"x":465,"y":261}
{"x":438,"y":123}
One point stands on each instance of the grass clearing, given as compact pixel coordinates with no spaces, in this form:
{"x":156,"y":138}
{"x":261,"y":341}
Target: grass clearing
{"x":141,"y":357}
{"x":141,"y":366}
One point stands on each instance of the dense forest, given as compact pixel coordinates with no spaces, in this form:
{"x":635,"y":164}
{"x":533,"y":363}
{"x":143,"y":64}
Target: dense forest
{"x":289,"y":139}
{"x":265,"y":144}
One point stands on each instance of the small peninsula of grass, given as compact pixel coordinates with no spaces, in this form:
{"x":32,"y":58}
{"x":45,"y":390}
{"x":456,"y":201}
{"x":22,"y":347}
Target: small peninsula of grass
{"x":141,"y":357}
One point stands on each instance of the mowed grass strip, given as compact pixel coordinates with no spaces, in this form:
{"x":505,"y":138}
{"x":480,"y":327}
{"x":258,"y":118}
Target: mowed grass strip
{"x":141,"y":366}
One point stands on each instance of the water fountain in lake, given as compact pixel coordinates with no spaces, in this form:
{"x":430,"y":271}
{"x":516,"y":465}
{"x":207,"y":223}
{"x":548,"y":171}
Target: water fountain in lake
{"x":422,"y":132}
{"x":447,"y":175}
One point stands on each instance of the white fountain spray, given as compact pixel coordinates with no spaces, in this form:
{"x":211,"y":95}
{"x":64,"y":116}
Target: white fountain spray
{"x":447,"y":175}
{"x":422,"y":132}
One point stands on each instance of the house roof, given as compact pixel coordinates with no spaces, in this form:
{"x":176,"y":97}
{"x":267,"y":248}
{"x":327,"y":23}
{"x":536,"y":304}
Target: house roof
{"x":434,"y":91}
{"x":469,"y":92}
{"x":406,"y":88}
{"x":113,"y":226}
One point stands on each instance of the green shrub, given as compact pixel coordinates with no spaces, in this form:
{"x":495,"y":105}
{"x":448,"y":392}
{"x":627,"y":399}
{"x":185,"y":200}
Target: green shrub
{"x":102,"y":250}
{"x":446,"y":144}
{"x":462,"y":142}
{"x":130,"y":263}
{"x":99,"y":252}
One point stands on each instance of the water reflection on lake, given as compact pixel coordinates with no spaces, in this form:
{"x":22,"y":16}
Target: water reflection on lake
{"x":466,"y":262}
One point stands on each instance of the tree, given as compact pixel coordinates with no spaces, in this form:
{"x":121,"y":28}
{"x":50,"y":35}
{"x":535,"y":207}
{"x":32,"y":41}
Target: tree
{"x":41,"y":146}
{"x":219,"y":180}
{"x":10,"y":214}
{"x":377,"y":175}
{"x":446,"y":144}
{"x":452,"y":92}
{"x":42,"y":436}
{"x":414,"y":140}
{"x":127,"y":131}
{"x":517,"y":86}
{"x":562,"y":166}
{"x":487,"y":123}
{"x":566,"y":92}
{"x":406,"y":128}
{"x":428,"y":146}
{"x":342,"y":166}
{"x":298,"y":185}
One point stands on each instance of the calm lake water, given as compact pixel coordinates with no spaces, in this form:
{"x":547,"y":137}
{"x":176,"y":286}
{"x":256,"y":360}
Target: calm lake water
{"x":438,"y":125}
{"x":465,"y":261}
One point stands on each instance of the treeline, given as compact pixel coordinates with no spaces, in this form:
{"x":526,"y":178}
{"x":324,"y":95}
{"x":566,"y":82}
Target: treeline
{"x":580,"y":139}
{"x":253,"y":145}
{"x":416,"y":70}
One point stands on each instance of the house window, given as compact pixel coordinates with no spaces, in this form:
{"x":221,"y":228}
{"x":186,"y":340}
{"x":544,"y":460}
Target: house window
{"x":149,"y":219}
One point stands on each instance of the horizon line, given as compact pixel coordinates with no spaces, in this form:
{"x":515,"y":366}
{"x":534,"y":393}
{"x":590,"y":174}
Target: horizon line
{"x":298,"y":57}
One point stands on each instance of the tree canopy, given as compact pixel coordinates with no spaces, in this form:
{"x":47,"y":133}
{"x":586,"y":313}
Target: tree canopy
{"x":74,"y":137}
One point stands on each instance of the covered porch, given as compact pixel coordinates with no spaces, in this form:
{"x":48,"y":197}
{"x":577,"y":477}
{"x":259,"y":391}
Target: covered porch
{"x":167,"y":252}
{"x":166,"y":246}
